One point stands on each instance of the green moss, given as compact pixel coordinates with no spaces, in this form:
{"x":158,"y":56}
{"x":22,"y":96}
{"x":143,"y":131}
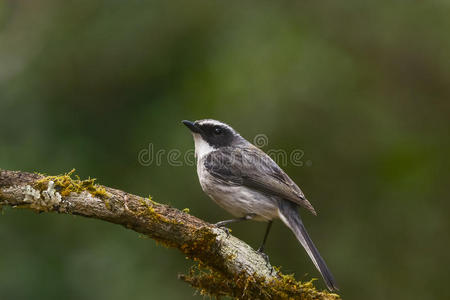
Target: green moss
{"x":150,"y":212}
{"x":165,"y":243}
{"x":151,"y":200}
{"x":108,"y":206}
{"x":243,"y":286}
{"x":203,"y":247}
{"x":186,"y":210}
{"x":201,"y":244}
{"x":65,"y":185}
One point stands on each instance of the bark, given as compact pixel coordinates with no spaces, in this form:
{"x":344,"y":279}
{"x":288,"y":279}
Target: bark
{"x":228,"y":266}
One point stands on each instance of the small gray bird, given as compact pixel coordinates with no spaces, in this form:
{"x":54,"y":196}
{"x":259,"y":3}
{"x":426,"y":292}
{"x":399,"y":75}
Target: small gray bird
{"x":247,"y":183}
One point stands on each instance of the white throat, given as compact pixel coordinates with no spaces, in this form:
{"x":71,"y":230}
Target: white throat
{"x":202,"y":148}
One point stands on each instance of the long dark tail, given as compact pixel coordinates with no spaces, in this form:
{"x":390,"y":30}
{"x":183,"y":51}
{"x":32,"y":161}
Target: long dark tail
{"x":290,"y":217}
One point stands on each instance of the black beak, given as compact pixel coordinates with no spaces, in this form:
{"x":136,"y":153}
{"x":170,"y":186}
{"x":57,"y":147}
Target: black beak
{"x":192,"y":126}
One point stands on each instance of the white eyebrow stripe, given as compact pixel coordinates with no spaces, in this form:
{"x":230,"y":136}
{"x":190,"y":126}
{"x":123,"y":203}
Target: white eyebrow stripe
{"x":214,"y":122}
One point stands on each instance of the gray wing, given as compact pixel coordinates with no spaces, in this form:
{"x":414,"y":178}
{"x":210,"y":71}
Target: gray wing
{"x":253,"y":168}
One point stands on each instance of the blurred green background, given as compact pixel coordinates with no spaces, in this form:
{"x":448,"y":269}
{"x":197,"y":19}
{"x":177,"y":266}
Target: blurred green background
{"x":361,"y":88}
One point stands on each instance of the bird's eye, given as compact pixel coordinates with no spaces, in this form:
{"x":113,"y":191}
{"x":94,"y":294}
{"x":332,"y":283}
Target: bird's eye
{"x":218,"y":130}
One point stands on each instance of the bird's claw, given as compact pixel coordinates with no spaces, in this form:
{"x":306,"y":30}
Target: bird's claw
{"x":222,"y":226}
{"x":266,"y":258}
{"x":227,"y":230}
{"x":264,"y":255}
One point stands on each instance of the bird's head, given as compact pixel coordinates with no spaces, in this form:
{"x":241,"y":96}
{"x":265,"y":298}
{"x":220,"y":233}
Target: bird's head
{"x":210,"y":135}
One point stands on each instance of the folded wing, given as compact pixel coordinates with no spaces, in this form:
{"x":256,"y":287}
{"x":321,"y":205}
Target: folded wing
{"x":254,"y":169}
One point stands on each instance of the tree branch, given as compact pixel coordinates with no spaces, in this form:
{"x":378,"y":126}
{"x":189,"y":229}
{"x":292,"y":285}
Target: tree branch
{"x":227,"y":265}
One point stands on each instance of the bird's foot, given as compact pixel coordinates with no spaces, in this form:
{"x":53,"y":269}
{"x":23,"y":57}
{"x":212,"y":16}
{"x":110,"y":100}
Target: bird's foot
{"x":264,"y":255}
{"x":266,"y":258}
{"x":222,"y":226}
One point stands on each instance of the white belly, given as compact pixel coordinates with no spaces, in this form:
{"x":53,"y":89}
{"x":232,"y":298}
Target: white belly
{"x":238,"y":200}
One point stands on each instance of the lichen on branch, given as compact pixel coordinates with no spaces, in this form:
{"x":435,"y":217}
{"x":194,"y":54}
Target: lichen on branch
{"x":226,"y":266}
{"x":66,"y":185}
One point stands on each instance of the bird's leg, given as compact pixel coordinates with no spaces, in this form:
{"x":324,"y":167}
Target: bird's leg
{"x":222,"y":224}
{"x":261,"y":248}
{"x":226,"y":222}
{"x":266,"y":234}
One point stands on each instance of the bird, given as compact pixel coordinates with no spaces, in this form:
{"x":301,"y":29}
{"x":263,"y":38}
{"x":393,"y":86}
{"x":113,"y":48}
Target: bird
{"x":246,"y":182}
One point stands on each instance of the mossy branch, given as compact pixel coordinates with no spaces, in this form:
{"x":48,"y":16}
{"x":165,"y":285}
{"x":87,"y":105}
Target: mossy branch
{"x":226,"y":265}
